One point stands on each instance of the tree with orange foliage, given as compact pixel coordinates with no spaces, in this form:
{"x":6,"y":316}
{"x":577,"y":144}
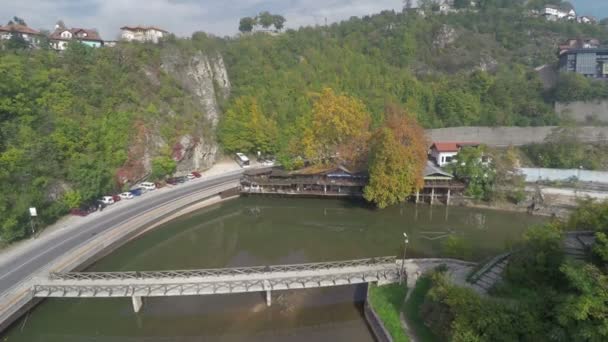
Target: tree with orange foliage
{"x":397,"y":159}
{"x":339,"y":129}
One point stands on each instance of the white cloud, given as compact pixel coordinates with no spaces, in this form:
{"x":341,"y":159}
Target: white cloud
{"x":183,"y":17}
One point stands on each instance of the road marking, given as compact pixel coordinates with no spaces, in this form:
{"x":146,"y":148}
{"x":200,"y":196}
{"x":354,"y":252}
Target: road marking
{"x":86,"y":231}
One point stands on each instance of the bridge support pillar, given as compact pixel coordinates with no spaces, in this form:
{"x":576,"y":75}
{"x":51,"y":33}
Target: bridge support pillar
{"x":432,"y":195}
{"x":137,"y":303}
{"x":448,"y":200}
{"x":417,"y":196}
{"x":268,"y":298}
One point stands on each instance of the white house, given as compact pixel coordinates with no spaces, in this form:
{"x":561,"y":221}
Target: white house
{"x":62,"y":36}
{"x":552,"y":12}
{"x":28,"y":34}
{"x":586,"y":19}
{"x":444,"y":152}
{"x":142,"y":33}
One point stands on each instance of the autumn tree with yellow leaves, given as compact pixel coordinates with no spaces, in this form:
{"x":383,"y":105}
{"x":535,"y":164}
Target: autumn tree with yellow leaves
{"x":397,"y":159}
{"x":339,"y":129}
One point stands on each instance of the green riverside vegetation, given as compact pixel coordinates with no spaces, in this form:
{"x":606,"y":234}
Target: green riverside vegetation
{"x":387,"y":301}
{"x":546,"y":296}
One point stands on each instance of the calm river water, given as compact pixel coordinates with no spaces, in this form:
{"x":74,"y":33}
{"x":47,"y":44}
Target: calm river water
{"x":264,"y":231}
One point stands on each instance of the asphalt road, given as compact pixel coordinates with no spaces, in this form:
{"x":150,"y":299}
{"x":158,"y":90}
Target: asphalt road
{"x":53,"y":247}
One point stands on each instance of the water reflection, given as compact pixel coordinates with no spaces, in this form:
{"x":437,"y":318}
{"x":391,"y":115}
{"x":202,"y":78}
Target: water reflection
{"x":264,"y":231}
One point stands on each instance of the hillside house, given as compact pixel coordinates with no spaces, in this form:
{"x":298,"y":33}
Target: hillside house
{"x":586,"y":19}
{"x":443,"y":153}
{"x":579,"y":43}
{"x":62,"y":36}
{"x":553,"y":13}
{"x":28,"y":34}
{"x":589,"y":62}
{"x":142,"y":33}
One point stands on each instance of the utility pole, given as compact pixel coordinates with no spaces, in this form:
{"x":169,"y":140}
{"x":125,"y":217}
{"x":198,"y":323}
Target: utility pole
{"x":402,"y":274}
{"x":33,"y":213}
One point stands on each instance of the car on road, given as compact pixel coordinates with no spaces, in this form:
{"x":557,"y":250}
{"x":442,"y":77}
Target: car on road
{"x":116,"y":198}
{"x":148,"y":186}
{"x":172,"y":181}
{"x":107,"y":200}
{"x":268,"y":162}
{"x":126,"y":195}
{"x":196,"y":174}
{"x":136,"y":192}
{"x":182,"y":179}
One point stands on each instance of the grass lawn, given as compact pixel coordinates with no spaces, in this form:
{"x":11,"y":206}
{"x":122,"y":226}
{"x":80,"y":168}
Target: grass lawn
{"x":387,"y":301}
{"x":412,"y":311}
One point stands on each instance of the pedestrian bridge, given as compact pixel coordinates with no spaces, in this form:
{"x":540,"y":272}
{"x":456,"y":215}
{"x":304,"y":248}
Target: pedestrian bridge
{"x":136,"y":285}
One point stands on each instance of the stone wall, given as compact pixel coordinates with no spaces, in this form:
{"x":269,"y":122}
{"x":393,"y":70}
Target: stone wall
{"x":374,"y":322}
{"x":505,"y":136}
{"x":584,"y":111}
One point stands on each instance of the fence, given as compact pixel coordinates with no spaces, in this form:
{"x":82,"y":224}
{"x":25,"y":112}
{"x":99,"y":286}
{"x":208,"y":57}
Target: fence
{"x":543,"y":174}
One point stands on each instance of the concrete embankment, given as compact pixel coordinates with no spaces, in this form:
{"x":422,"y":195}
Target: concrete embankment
{"x":511,"y":136}
{"x":19,"y":299}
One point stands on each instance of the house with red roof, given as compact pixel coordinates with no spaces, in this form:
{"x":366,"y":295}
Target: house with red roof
{"x":444,"y":152}
{"x":62,"y":36}
{"x":142,"y":33}
{"x":28,"y":34}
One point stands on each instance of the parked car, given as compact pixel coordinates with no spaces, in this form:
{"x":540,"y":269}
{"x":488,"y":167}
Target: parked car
{"x":116,"y":198}
{"x":148,"y":186}
{"x":182,"y":179}
{"x":136,"y":192}
{"x":268,"y":162}
{"x":196,"y":174}
{"x":126,"y":195}
{"x":159,"y":185}
{"x":79,"y":212}
{"x":190,"y":176}
{"x":172,"y":181}
{"x":107,"y":200}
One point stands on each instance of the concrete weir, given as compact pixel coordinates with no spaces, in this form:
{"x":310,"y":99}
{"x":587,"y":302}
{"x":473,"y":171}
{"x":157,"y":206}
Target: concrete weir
{"x":20,"y":299}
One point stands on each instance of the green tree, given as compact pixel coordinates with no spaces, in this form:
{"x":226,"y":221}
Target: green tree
{"x":265,"y":19}
{"x":478,"y":174}
{"x":584,"y":310}
{"x":246,"y":24}
{"x":278,"y":21}
{"x":162,"y":166}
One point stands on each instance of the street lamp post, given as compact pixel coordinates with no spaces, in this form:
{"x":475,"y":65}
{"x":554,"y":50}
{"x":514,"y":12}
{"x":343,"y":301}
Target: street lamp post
{"x":405,"y":242}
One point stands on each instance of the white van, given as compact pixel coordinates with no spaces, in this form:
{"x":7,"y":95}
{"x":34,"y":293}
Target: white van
{"x":148,"y":186}
{"x":242,"y":160}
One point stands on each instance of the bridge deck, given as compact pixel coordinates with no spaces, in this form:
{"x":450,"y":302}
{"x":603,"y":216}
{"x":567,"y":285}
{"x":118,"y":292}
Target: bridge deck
{"x":215,"y":281}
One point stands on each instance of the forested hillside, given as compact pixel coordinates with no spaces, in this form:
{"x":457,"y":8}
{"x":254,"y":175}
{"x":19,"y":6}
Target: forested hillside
{"x":468,"y":68}
{"x":83,"y":123}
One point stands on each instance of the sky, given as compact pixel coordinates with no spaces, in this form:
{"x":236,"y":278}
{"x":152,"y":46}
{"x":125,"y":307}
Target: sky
{"x":220,"y":17}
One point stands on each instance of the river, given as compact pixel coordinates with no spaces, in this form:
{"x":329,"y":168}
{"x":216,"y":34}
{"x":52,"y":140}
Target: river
{"x":265,"y":231}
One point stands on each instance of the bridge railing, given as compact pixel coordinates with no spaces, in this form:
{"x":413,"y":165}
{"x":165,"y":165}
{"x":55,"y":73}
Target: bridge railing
{"x":219,"y":272}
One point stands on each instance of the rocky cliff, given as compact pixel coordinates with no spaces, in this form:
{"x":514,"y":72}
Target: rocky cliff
{"x":188,"y":135}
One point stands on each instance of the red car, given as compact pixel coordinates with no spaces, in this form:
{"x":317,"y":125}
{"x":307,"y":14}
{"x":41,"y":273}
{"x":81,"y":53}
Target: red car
{"x":195,"y":174}
{"x":78,"y":212}
{"x":116,"y":198}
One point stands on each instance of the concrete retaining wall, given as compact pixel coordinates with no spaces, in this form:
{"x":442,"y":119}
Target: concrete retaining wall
{"x":505,"y":136}
{"x":538,"y":174}
{"x":584,"y":111}
{"x":374,"y":322}
{"x":18,"y":300}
